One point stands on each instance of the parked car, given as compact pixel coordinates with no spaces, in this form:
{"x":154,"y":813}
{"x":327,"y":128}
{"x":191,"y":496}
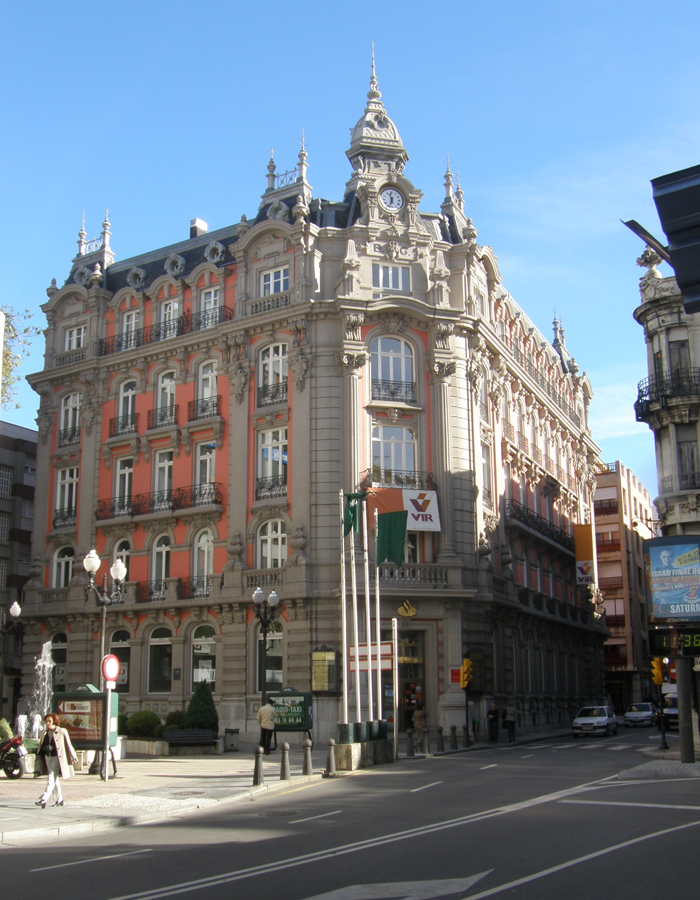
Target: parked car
{"x":595,"y":720}
{"x":671,"y":712}
{"x":640,"y":714}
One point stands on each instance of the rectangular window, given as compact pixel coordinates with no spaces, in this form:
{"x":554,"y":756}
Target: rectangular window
{"x":210,"y":299}
{"x":4,"y":527}
{"x":390,"y":279}
{"x":273,"y":457}
{"x":75,"y":337}
{"x":6,"y":479}
{"x":164,"y":479}
{"x":679,"y":355}
{"x":160,"y":660}
{"x":688,"y":458}
{"x":125,"y":476}
{"x":3,"y":574}
{"x":393,"y":456}
{"x":486,"y":475}
{"x":67,"y":492}
{"x":274,"y":281}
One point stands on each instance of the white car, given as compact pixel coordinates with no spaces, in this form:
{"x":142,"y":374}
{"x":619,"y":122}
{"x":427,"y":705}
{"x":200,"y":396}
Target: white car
{"x":595,"y":720}
{"x":640,"y":714}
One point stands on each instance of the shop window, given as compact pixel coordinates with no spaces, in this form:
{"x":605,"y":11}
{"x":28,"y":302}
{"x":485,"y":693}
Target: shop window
{"x":204,"y":656}
{"x":160,"y":661}
{"x":120,"y":647}
{"x":59,"y":654}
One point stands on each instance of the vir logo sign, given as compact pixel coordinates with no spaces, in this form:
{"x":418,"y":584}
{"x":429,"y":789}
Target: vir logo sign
{"x":422,"y":509}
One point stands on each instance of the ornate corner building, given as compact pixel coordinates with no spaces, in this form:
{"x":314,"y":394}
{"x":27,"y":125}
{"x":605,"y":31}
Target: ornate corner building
{"x":203,"y":405}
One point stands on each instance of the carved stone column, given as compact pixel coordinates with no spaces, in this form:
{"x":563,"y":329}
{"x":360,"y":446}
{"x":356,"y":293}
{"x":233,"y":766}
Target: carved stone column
{"x":351,"y":363}
{"x":441,"y":372}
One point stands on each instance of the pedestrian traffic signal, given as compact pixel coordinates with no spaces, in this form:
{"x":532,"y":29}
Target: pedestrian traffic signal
{"x":657,"y":670}
{"x":465,"y":673}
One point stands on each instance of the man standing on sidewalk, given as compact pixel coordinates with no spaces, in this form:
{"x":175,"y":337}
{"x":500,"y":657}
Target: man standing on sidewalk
{"x":266,"y":718}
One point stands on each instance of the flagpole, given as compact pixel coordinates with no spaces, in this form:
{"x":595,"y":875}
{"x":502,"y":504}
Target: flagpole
{"x":395,"y":649}
{"x":377,"y":614}
{"x":355,"y":623}
{"x":368,"y":610}
{"x":343,"y":613}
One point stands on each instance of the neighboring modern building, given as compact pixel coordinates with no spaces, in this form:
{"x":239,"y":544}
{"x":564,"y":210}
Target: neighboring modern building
{"x":17,"y":479}
{"x":624,"y":517}
{"x":203,"y":404}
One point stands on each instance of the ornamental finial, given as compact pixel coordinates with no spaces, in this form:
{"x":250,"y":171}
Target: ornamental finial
{"x":374,"y":92}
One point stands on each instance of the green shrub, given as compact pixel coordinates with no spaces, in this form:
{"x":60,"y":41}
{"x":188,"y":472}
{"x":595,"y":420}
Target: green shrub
{"x":175,"y":719}
{"x":158,"y":731}
{"x":32,"y":745}
{"x":142,"y":723}
{"x":122,"y":719}
{"x":201,"y":713}
{"x":5,"y":731}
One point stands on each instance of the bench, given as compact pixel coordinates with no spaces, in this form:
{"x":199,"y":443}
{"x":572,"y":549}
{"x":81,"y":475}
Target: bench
{"x":193,"y":737}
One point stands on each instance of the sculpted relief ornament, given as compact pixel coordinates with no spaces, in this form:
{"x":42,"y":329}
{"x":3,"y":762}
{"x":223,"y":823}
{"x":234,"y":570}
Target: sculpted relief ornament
{"x":300,"y":364}
{"x":442,"y":371}
{"x":351,"y":362}
{"x":239,"y":376}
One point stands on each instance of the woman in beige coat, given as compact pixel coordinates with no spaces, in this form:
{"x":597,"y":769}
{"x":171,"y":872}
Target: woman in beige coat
{"x":58,"y":754}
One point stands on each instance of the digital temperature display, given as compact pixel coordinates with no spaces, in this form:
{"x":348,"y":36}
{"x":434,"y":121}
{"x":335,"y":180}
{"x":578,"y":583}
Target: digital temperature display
{"x":688,"y":643}
{"x":674,"y":642}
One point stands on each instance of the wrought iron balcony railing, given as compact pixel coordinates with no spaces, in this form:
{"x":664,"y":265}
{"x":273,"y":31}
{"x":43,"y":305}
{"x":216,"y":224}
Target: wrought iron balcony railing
{"x":124,"y":425}
{"x":269,"y":394}
{"x":605,"y":507}
{"x":399,"y":391}
{"x":157,"y":501}
{"x":158,"y":590}
{"x":203,"y":409}
{"x":66,"y":516}
{"x":193,"y":588}
{"x":273,"y":486}
{"x":208,"y":494}
{"x":686,"y":481}
{"x":163,"y":416}
{"x":680,"y":383}
{"x":195,"y":495}
{"x":114,"y":508}
{"x":67,"y":437}
{"x":161,"y":331}
{"x":515,"y":510}
{"x":377,"y":477}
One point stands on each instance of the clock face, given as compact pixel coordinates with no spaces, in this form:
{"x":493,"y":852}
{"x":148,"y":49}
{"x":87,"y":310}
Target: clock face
{"x":391,"y":199}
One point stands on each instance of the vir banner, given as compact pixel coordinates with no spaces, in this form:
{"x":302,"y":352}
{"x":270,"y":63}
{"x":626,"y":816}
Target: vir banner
{"x":422,"y":506}
{"x":586,"y":563}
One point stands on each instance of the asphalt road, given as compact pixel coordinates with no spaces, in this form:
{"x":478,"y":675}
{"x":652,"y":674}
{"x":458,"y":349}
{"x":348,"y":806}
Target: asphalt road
{"x":544,"y":820}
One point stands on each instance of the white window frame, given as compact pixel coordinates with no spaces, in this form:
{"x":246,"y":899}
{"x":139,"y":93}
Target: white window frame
{"x":209,"y":299}
{"x":122,"y":551}
{"x":398,"y":442}
{"x":390,"y":279}
{"x":127,"y":407}
{"x":274,"y":281}
{"x":169,"y":315}
{"x":200,"y":636}
{"x":167,"y":389}
{"x":208,"y":381}
{"x":274,"y":364}
{"x":272,"y":544}
{"x":163,"y":480}
{"x":63,"y":567}
{"x":204,"y":554}
{"x":124,"y":480}
{"x":75,"y":337}
{"x":162,"y":547}
{"x":130,"y":321}
{"x":273,"y":452}
{"x":67,"y":483}
{"x":70,"y":412}
{"x":388,"y":364}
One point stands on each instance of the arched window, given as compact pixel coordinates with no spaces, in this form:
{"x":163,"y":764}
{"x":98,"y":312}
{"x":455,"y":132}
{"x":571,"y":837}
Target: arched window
{"x":204,"y":656}
{"x":123,"y":552}
{"x":120,"y":647}
{"x":161,"y":558}
{"x":207,"y":403}
{"x":70,"y":420}
{"x":59,"y":654}
{"x":160,"y":661}
{"x":393,"y":455}
{"x":274,"y":375}
{"x":63,"y":569}
{"x":274,"y":674}
{"x":165,"y":412}
{"x":272,"y":544}
{"x":125,"y":422}
{"x":204,"y":554}
{"x":392,"y":370}
{"x":484,"y":397}
{"x":170,"y":325}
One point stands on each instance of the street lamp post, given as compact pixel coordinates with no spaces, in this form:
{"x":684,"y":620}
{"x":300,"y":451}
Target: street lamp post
{"x":265,"y":611}
{"x":15,"y":612}
{"x":92,"y":563}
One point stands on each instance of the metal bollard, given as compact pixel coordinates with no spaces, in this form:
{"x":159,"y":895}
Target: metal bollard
{"x":285,"y":773}
{"x":410,"y":751}
{"x":258,"y":777}
{"x":453,"y":738}
{"x":330,"y":762}
{"x":441,"y":740}
{"x":308,"y":768}
{"x":465,"y":736}
{"x":426,"y":744}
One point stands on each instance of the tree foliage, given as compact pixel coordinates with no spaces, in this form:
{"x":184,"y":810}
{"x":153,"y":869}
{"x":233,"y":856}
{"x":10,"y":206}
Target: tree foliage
{"x":18,"y":336}
{"x":201,"y":713}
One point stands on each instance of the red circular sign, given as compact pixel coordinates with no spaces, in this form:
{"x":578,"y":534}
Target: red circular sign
{"x":110,"y":667}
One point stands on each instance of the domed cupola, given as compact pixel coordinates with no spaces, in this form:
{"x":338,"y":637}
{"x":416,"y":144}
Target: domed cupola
{"x":375,"y":137}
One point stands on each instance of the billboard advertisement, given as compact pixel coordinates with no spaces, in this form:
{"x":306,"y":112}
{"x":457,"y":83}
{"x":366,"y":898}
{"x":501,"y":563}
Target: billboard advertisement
{"x":586,"y":564}
{"x":672,"y":567}
{"x":422,"y":506}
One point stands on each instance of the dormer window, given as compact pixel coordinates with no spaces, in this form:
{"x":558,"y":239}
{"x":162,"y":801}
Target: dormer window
{"x":274,"y":281}
{"x":75,"y":337}
{"x":390,"y":280}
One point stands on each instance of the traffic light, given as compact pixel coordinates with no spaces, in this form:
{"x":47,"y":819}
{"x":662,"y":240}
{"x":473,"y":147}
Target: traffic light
{"x":657,"y":670}
{"x":465,"y":673}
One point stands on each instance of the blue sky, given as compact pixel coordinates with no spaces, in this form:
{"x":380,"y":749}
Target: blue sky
{"x":556,"y":116}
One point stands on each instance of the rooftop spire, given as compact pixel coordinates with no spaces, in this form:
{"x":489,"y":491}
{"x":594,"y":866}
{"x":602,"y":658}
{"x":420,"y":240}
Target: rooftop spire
{"x":459,"y":194}
{"x":374,"y":92}
{"x":303,"y":156}
{"x":448,"y":180}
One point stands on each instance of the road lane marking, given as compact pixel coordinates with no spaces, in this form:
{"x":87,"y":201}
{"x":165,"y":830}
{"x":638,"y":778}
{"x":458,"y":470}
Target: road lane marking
{"x":81,"y":862}
{"x":574,"y":862}
{"x":563,"y":746}
{"x":432,"y":784}
{"x":410,"y":890}
{"x":529,"y":755}
{"x":311,"y":818}
{"x":492,"y":766}
{"x":621,"y":747}
{"x":622,"y":803}
{"x":358,"y":846}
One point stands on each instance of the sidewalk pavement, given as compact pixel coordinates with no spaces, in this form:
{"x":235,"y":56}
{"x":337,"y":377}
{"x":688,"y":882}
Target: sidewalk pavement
{"x":146,"y":789}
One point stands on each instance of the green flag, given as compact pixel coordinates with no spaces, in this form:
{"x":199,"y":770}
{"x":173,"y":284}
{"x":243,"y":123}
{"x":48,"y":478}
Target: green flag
{"x":352,"y":512}
{"x":391,"y":537}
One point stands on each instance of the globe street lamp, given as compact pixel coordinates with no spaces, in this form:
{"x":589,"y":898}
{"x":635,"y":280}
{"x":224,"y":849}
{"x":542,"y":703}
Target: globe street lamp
{"x":265,"y":612}
{"x":92,"y":563}
{"x":15,"y":612}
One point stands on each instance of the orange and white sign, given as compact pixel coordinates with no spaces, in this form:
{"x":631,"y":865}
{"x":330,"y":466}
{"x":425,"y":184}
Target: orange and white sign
{"x":584,"y":536}
{"x":422,"y":506}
